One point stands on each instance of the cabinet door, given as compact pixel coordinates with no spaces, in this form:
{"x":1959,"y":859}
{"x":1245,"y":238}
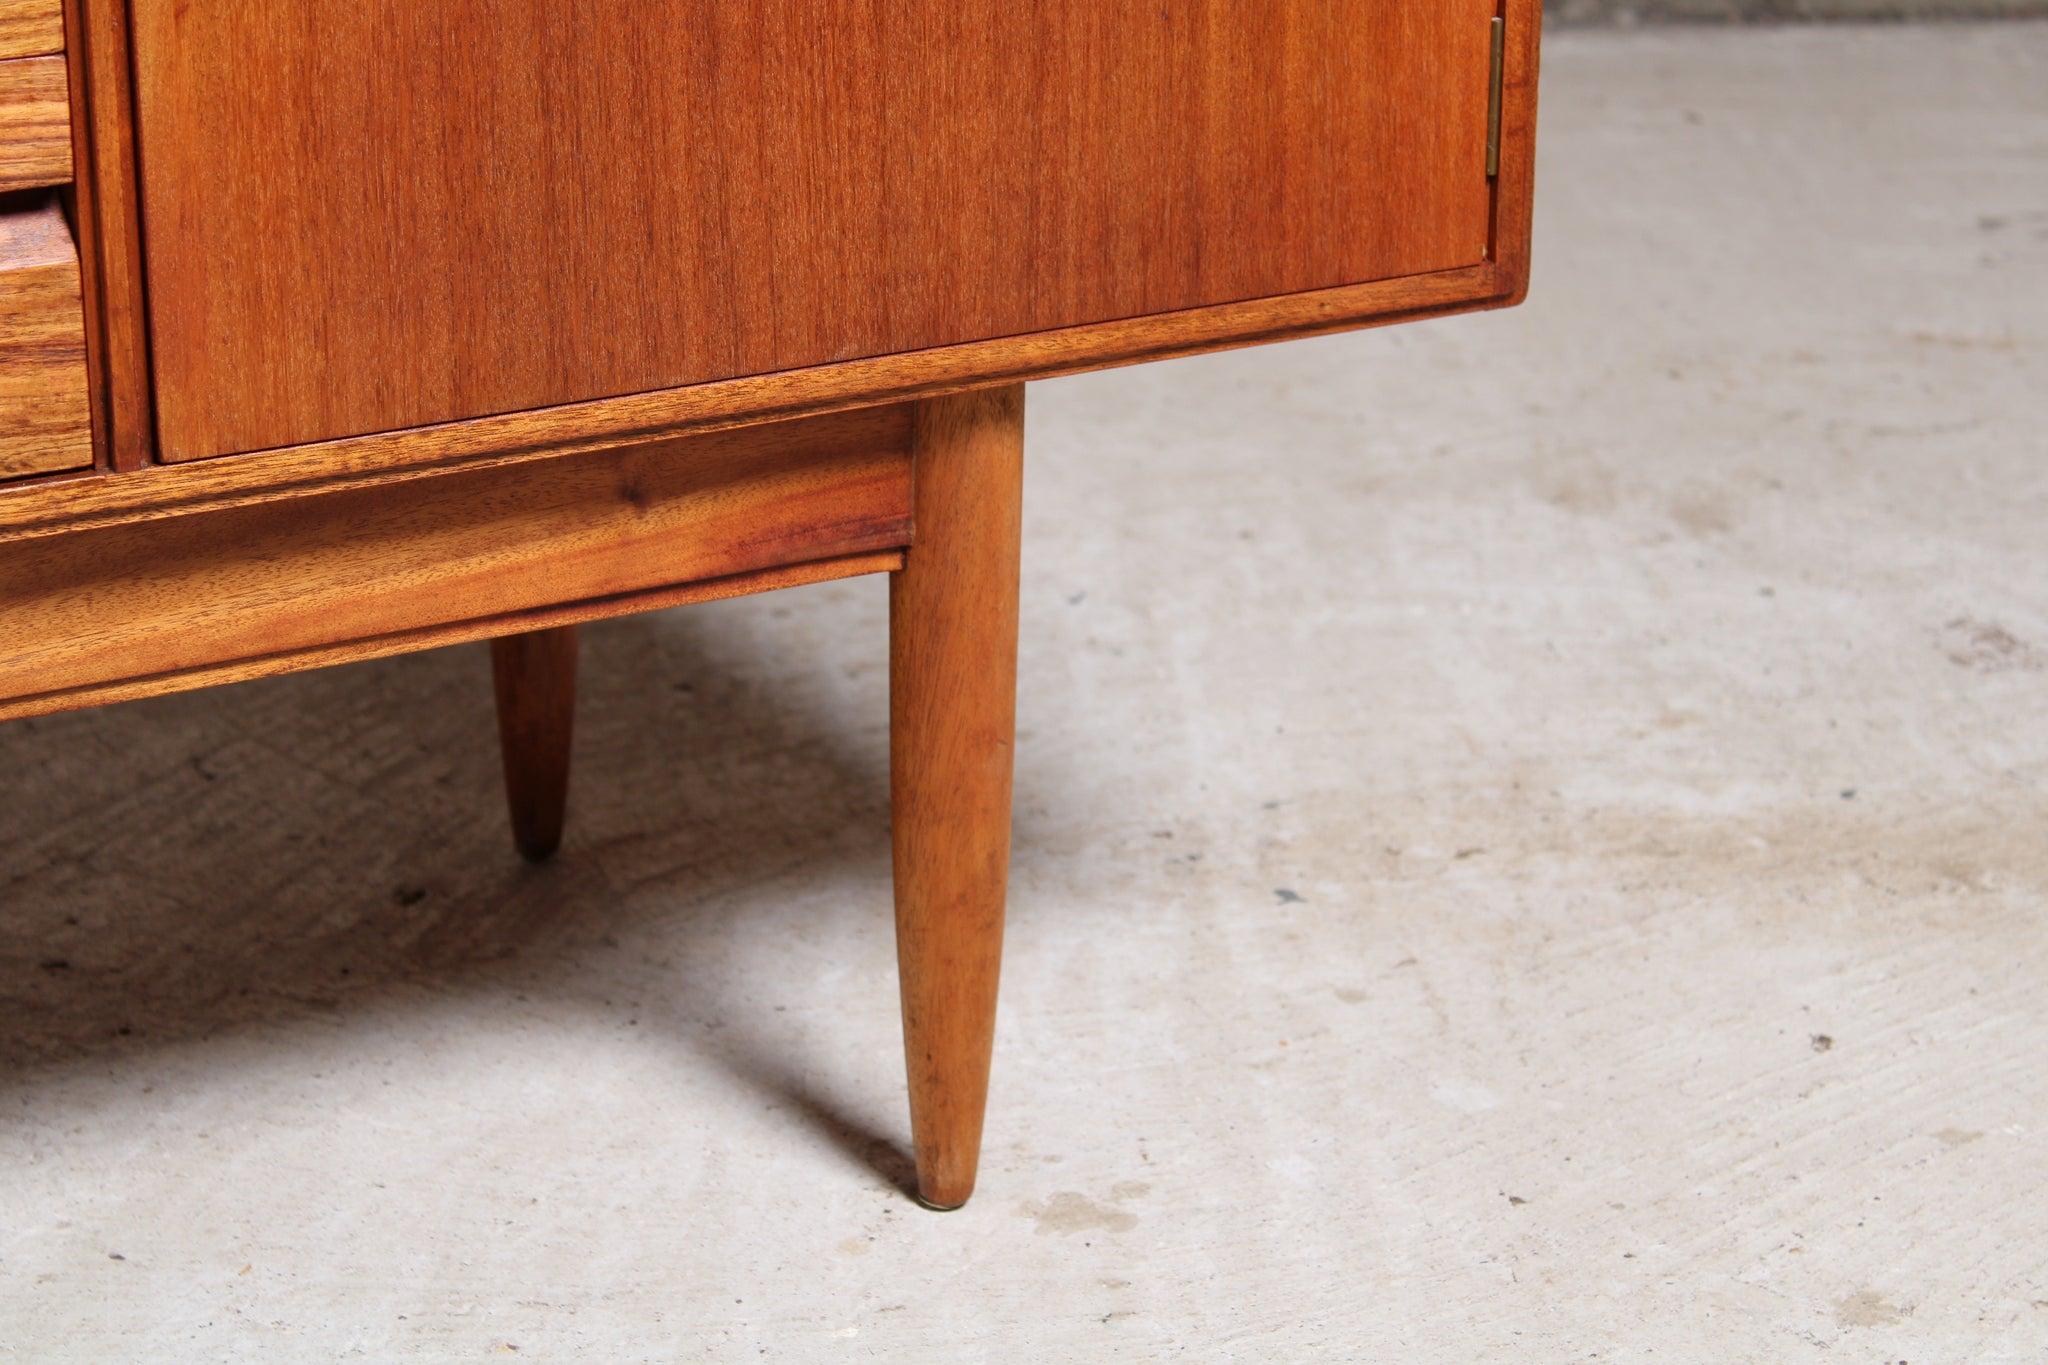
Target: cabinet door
{"x":367,"y":215}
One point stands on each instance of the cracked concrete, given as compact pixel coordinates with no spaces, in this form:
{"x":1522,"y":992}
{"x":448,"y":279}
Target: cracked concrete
{"x":1466,"y":772}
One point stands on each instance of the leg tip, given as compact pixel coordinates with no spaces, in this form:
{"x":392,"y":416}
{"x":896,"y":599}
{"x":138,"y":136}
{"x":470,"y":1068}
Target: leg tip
{"x":943,"y":1192}
{"x":538,"y":851}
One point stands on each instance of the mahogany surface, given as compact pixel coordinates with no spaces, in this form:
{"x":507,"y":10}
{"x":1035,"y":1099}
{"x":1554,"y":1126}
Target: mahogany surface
{"x":500,"y":205}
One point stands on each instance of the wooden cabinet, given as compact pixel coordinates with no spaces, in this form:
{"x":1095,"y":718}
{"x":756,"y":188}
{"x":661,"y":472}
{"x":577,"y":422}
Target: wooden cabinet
{"x":361,"y":326}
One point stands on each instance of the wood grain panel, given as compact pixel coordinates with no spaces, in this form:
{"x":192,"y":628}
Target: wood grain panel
{"x":35,"y":123}
{"x":31,"y":28}
{"x":159,"y":605}
{"x":109,"y":232}
{"x":411,"y":214}
{"x":45,"y":419}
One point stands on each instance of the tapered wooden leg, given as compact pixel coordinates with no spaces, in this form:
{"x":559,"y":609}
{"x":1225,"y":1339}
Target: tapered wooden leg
{"x":952,"y":714}
{"x":535,"y":675}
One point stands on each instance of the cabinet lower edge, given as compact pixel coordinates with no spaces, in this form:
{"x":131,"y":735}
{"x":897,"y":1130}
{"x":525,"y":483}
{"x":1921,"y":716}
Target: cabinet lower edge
{"x":456,"y":633}
{"x":66,"y":504}
{"x":158,"y":606}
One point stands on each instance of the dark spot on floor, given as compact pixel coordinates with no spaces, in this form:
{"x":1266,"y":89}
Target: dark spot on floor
{"x":1987,"y":647}
{"x":1822,"y":1042}
{"x":1286,"y":896}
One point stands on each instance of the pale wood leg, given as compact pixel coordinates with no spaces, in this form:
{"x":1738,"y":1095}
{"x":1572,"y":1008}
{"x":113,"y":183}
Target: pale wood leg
{"x":535,"y":677}
{"x":952,"y":714}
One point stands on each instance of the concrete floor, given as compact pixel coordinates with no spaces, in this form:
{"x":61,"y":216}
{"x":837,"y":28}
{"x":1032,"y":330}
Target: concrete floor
{"x":1533,"y":844}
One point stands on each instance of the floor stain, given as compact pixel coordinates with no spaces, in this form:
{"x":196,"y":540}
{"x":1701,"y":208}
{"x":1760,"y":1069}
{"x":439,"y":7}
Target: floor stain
{"x":1703,"y":514}
{"x":1957,"y":1137}
{"x":1868,"y":1308}
{"x":1590,"y":491}
{"x":1987,"y":647}
{"x":1070,"y":1211}
{"x":1956,"y":341}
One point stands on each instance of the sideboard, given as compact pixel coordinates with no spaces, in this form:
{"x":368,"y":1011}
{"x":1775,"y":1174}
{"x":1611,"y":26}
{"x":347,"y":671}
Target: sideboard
{"x":331,"y":329}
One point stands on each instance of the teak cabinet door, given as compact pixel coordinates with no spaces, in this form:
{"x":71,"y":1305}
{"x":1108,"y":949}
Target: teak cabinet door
{"x":367,"y":215}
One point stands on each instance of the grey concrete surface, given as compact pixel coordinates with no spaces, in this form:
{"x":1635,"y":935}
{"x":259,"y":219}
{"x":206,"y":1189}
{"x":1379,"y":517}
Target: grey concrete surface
{"x":1530,"y":847}
{"x":1625,"y":12}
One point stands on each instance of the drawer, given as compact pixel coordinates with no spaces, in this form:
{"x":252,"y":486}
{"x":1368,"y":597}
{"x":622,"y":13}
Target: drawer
{"x":31,"y":28}
{"x":35,"y":123}
{"x":45,"y":417}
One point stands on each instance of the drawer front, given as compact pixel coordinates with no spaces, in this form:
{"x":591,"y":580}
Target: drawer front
{"x":35,"y":123}
{"x":31,"y":28}
{"x":367,"y":215}
{"x":45,"y":419}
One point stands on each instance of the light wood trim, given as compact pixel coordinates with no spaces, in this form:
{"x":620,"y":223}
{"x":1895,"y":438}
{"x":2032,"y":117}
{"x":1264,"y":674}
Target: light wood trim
{"x":30,"y":28}
{"x":110,"y":233}
{"x":85,"y":223}
{"x":163,"y":605}
{"x":35,"y":124}
{"x":498,"y":441}
{"x":1515,"y":188}
{"x":45,"y":420}
{"x":462,"y":632}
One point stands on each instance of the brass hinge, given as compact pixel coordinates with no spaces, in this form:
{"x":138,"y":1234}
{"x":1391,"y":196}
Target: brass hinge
{"x":1500,"y":49}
